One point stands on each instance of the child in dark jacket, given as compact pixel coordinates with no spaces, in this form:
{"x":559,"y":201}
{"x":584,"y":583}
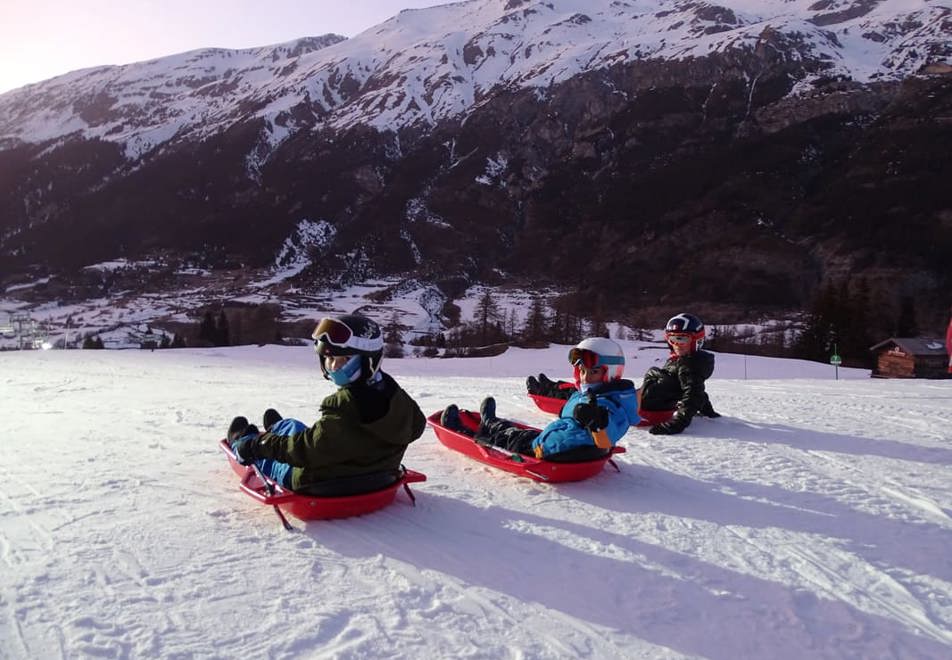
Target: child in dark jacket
{"x":364,"y":428}
{"x":592,"y":420}
{"x":679,"y":384}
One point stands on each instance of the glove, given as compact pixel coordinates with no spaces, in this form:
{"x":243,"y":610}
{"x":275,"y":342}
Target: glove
{"x":591,"y":416}
{"x":245,"y":447}
{"x":672,"y":427}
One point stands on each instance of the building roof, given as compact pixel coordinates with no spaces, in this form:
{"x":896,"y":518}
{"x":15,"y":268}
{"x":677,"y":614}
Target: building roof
{"x":915,"y":345}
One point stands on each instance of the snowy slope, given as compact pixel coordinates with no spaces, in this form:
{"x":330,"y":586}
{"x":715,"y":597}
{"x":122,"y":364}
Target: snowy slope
{"x":812,"y":521}
{"x":427,"y":64}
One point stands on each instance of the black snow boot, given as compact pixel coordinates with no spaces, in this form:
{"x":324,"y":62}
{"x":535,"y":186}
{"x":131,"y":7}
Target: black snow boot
{"x":237,"y":428}
{"x":707,"y":410}
{"x":270,"y":418}
{"x":450,"y":418}
{"x":487,"y":410}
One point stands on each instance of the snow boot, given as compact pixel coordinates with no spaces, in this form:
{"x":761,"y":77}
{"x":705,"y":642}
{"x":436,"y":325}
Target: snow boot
{"x":487,"y":410}
{"x":547,"y":386}
{"x":450,"y":418}
{"x":270,"y":418}
{"x":237,"y":428}
{"x":707,"y":410}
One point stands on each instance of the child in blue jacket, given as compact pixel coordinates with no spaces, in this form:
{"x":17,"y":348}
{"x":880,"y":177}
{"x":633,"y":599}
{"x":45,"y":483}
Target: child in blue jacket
{"x":592,"y":420}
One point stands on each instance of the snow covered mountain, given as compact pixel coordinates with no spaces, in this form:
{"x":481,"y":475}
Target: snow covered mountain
{"x":429,"y":64}
{"x":740,"y":153}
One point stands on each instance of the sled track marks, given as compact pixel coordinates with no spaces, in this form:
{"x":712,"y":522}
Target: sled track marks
{"x":840,"y":575}
{"x":828,"y":547}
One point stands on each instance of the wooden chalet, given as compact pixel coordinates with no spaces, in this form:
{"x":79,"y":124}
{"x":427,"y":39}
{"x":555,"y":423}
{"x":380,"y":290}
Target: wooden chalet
{"x":910,"y":357}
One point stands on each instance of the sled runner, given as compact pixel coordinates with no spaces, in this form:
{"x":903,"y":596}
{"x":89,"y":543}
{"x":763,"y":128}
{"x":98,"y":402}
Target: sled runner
{"x":314,"y":507}
{"x":519,"y":464}
{"x":553,"y":405}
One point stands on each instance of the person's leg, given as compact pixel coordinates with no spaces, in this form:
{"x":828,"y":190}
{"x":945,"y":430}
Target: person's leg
{"x":660,"y":394}
{"x":277,"y":471}
{"x":556,"y":389}
{"x":502,"y":433}
{"x":288,"y":426}
{"x":707,"y":410}
{"x":450,"y":419}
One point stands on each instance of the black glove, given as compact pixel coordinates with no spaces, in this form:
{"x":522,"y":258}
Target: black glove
{"x":591,"y":416}
{"x":673,"y":426}
{"x":653,"y":374}
{"x":246,"y":446}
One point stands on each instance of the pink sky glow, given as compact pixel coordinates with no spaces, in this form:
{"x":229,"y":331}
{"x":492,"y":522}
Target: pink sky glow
{"x":41,"y":39}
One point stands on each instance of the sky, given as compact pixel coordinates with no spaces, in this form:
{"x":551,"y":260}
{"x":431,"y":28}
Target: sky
{"x":40,"y":39}
{"x":812,"y":520}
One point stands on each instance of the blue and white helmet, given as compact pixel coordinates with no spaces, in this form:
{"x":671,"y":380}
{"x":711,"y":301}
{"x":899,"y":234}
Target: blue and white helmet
{"x":599,"y":352}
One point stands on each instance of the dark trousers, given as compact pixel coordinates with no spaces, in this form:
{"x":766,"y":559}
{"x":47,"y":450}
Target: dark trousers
{"x":503,"y":433}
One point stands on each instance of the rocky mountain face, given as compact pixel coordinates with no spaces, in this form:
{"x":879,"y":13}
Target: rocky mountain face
{"x":645,"y":153}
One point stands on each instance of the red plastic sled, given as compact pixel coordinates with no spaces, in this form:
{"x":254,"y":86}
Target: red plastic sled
{"x":519,"y":464}
{"x":308,"y":507}
{"x":553,"y":405}
{"x":652,"y":417}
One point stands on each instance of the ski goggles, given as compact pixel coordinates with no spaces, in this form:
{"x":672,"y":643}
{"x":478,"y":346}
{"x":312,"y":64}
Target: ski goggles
{"x":332,"y":331}
{"x":590,"y":359}
{"x":678,"y":338}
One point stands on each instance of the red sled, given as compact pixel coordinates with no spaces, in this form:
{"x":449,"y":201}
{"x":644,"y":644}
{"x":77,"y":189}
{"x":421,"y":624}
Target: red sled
{"x":553,"y":405}
{"x":310,"y":507}
{"x":518,"y":464}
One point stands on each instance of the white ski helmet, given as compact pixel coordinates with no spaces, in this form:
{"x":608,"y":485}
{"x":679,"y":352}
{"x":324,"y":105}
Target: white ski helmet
{"x":598,"y":352}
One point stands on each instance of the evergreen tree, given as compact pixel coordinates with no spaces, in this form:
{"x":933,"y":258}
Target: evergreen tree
{"x":487,"y":318}
{"x":222,"y":332}
{"x":510,"y":330}
{"x":906,"y":325}
{"x":177,"y":341}
{"x":536,"y":321}
{"x":819,"y":334}
{"x":393,"y":332}
{"x":206,"y":330}
{"x":393,"y":337}
{"x":598,"y":328}
{"x":854,"y":336}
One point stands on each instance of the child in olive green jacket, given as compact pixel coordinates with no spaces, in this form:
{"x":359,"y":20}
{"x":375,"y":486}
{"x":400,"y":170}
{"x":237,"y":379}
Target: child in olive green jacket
{"x":364,"y":428}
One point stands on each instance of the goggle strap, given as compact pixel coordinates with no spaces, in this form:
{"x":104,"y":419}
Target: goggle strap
{"x":333,"y":332}
{"x":600,"y":360}
{"x":363,"y":344}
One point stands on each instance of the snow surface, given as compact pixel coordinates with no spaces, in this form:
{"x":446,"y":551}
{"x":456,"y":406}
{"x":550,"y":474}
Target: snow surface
{"x":811,"y":521}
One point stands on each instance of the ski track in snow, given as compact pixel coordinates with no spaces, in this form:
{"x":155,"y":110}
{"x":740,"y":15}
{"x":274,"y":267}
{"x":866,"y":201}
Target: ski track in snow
{"x":812,"y":520}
